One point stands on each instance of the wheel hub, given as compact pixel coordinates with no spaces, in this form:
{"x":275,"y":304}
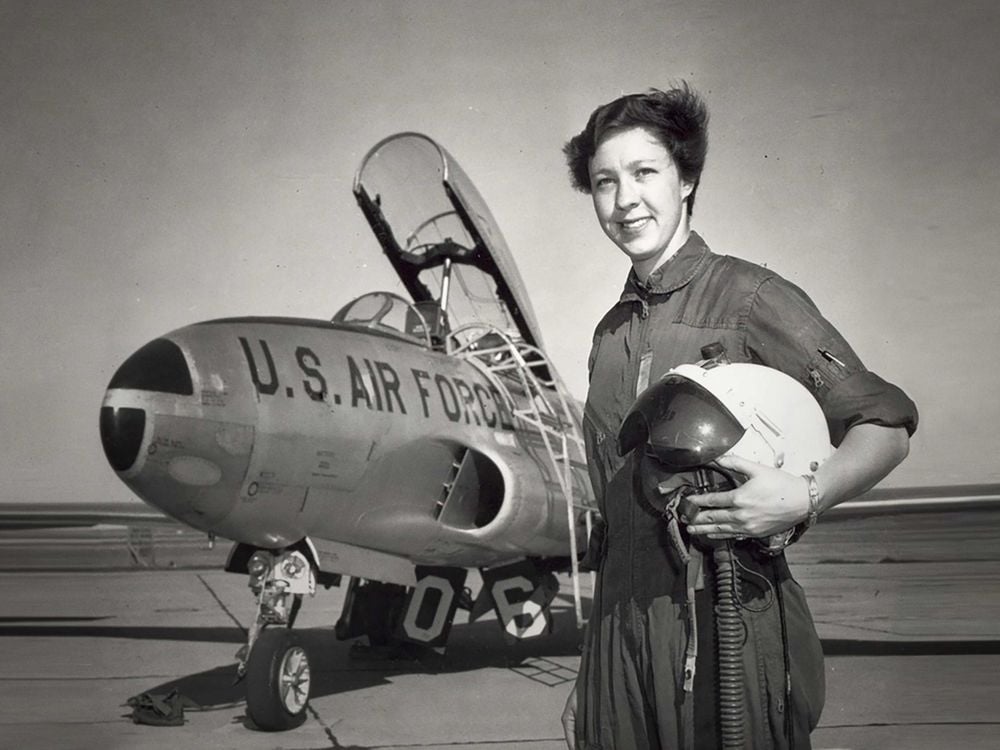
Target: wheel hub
{"x":294,"y":679}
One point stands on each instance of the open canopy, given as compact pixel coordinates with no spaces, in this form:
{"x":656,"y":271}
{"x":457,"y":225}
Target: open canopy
{"x":440,"y":237}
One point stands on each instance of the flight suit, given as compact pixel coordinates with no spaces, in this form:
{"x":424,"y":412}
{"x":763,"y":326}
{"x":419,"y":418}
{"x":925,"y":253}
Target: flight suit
{"x":630,"y":687}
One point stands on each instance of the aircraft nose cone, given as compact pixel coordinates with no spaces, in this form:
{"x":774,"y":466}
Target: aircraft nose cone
{"x":121,"y":435}
{"x":158,"y":439}
{"x":157,"y":367}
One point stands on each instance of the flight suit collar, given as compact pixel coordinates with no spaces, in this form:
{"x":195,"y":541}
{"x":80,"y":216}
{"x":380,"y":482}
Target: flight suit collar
{"x":672,"y":275}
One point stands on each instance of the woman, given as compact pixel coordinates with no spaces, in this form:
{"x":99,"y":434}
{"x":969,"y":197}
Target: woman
{"x":640,"y":158}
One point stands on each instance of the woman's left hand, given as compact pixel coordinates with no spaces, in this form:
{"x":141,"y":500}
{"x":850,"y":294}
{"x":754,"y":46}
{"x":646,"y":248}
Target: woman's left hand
{"x":769,"y":502}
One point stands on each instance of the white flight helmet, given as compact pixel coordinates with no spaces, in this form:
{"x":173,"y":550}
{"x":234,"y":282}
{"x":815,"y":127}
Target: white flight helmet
{"x":697,"y":413}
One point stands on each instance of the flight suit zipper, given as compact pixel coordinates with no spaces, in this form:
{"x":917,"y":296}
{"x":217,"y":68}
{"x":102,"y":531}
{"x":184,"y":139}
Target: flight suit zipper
{"x":640,"y":365}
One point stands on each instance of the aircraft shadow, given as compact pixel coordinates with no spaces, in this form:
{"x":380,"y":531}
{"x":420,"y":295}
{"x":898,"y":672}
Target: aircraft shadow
{"x":337,"y":667}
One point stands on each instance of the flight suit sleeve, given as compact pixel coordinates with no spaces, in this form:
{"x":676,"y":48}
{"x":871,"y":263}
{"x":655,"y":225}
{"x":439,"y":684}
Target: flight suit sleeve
{"x":785,"y":330}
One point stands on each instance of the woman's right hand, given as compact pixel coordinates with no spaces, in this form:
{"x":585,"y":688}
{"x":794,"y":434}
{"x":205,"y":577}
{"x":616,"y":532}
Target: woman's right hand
{"x":569,"y":720}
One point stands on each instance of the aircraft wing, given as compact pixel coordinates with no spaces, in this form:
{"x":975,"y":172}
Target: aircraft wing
{"x":65,"y":515}
{"x":429,"y":217}
{"x":895,"y":500}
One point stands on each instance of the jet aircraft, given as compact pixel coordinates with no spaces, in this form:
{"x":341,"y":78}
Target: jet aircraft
{"x":400,"y":444}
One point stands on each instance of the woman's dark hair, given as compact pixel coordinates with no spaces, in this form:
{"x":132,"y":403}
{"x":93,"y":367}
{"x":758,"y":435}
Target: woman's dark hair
{"x":678,"y":117}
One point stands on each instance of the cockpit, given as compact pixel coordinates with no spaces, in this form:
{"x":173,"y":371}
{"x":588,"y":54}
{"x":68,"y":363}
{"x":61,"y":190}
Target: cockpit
{"x":421,"y":323}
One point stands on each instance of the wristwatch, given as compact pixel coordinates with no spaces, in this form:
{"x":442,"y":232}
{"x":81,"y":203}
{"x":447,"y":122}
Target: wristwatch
{"x":813,"y":501}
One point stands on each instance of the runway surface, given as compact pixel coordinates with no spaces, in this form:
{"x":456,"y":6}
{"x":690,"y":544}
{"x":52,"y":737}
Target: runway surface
{"x":908,"y":608}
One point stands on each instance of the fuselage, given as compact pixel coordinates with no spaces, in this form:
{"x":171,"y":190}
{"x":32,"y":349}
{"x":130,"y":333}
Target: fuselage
{"x":269,"y":430}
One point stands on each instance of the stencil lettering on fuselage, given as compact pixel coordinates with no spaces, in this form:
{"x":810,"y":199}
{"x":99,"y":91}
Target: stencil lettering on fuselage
{"x":376,"y":385}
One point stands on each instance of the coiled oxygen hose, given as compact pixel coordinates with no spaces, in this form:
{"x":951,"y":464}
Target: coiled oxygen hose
{"x":730,"y":634}
{"x":729,"y":628}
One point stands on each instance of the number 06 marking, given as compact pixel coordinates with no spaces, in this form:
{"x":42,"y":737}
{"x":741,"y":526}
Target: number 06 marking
{"x":513,"y":614}
{"x":411,"y":627}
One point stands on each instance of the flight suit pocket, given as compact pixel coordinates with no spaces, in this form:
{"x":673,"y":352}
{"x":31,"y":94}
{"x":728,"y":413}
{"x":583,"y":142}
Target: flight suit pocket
{"x":791,"y":705}
{"x":596,"y":546}
{"x":805,"y":656}
{"x":600,"y":461}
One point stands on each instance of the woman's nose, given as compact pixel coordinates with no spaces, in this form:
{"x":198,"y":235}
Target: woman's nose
{"x":627,"y":195}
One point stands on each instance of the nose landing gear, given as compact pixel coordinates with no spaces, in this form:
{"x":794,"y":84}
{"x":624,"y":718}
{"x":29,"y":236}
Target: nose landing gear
{"x":274,"y":661}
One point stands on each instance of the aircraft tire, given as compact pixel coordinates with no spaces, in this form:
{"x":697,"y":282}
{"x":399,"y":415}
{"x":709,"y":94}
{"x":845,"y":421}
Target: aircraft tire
{"x":278,"y":681}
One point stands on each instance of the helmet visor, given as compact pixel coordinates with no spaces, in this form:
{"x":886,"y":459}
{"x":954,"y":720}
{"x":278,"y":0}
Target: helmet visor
{"x":683,"y":425}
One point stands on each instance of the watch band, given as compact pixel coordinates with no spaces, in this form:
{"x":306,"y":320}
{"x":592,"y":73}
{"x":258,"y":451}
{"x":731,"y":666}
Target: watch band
{"x":813,"y":489}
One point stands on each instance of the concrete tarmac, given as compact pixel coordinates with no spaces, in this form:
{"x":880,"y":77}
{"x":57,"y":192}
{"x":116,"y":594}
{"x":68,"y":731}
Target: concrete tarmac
{"x":911,"y":631}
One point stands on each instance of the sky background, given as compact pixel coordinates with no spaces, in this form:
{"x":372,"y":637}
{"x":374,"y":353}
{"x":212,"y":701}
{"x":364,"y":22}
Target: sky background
{"x":169,"y":162}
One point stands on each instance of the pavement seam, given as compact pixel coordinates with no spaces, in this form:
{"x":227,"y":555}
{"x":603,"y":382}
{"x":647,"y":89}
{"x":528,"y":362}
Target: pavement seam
{"x":328,"y":731}
{"x":221,"y":603}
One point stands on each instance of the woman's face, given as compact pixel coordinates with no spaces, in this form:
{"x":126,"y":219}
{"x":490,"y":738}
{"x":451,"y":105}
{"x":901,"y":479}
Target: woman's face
{"x":639,"y":197}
